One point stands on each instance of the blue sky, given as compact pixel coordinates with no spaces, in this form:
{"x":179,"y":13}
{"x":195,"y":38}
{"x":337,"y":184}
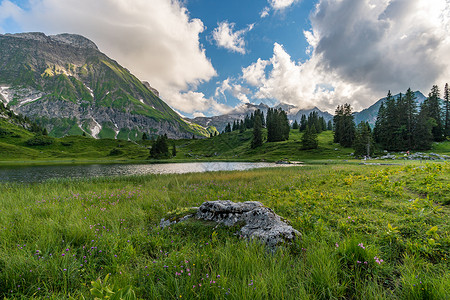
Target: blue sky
{"x":209,"y":57}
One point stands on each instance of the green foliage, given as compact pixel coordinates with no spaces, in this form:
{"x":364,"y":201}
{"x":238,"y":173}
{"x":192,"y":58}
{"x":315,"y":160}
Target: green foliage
{"x":160,"y":148}
{"x":257,"y":139}
{"x":432,"y":109}
{"x":102,"y":290}
{"x":174,"y":149}
{"x":363,"y":143}
{"x":115,"y":152}
{"x":399,"y":127}
{"x":447,"y":111}
{"x":40,"y":140}
{"x":277,"y":125}
{"x":309,"y":138}
{"x":344,"y":127}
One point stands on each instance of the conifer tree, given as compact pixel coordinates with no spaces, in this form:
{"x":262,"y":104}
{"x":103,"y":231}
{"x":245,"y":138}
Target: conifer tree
{"x":447,"y":110}
{"x":257,"y":132}
{"x":277,"y":125}
{"x":423,"y":135}
{"x":309,"y":139}
{"x":330,"y":125}
{"x":160,"y":149}
{"x":363,"y":144}
{"x":303,"y":123}
{"x":228,"y":128}
{"x":174,"y":150}
{"x":344,"y":127}
{"x":295,"y":125}
{"x":433,"y":111}
{"x":338,"y":123}
{"x":410,"y":114}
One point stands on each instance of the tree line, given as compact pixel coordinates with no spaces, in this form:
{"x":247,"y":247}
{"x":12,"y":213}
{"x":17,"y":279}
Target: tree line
{"x":400,"y":125}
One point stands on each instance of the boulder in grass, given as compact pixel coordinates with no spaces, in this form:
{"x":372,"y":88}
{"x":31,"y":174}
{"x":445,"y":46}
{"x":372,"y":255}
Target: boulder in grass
{"x":260,"y":222}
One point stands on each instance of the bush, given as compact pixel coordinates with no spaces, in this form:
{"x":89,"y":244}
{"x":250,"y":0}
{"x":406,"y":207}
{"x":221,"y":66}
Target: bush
{"x":4,"y":132}
{"x":115,"y":152}
{"x":40,"y":140}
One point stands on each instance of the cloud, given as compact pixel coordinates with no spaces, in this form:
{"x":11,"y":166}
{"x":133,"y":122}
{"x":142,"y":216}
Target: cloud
{"x":265,"y":12}
{"x":281,"y":4}
{"x":359,"y":49}
{"x":196,"y":102}
{"x":236,"y":90}
{"x":8,"y":10}
{"x":156,"y":40}
{"x":224,"y":37}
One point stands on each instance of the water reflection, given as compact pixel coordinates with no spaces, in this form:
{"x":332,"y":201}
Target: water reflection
{"x":42,"y":173}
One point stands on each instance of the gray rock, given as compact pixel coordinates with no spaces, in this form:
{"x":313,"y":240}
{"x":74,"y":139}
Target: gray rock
{"x":260,"y":222}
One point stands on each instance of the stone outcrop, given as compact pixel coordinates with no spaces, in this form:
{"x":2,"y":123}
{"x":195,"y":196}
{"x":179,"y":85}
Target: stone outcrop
{"x":258,"y":221}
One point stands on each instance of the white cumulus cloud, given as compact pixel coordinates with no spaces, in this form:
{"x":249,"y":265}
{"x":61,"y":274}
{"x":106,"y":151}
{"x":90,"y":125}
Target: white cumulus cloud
{"x":225,"y":37}
{"x":156,"y":40}
{"x":360,"y":49}
{"x":281,"y":4}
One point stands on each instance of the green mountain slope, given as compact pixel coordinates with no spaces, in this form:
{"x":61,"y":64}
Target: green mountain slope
{"x":67,"y":85}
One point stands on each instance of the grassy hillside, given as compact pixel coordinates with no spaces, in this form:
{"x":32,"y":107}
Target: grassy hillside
{"x":230,"y":146}
{"x":236,"y":145}
{"x":368,"y":232}
{"x":14,"y":147}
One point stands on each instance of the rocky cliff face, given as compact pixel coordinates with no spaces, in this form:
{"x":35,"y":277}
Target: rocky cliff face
{"x":66,"y":84}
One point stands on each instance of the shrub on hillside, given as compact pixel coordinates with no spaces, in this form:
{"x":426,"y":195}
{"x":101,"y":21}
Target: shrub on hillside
{"x":40,"y":140}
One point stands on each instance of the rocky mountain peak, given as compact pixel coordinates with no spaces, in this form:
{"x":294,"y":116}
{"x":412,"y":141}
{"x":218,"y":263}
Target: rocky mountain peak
{"x":74,"y":40}
{"x":152,"y":89}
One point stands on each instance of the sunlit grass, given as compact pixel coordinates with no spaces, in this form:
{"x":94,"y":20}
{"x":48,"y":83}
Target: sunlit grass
{"x":368,"y":232}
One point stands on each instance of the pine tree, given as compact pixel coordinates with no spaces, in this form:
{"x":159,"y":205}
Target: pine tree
{"x":160,"y":149}
{"x":309,"y":139}
{"x":423,"y":133}
{"x":227,"y":128}
{"x":257,"y":132}
{"x":277,"y":125}
{"x":330,"y":125}
{"x":378,"y":130}
{"x":363,"y":144}
{"x":447,"y":110}
{"x":433,"y":110}
{"x":303,"y":123}
{"x":344,"y":127}
{"x":295,"y":125}
{"x":174,"y":150}
{"x":337,"y":123}
{"x":411,"y":114}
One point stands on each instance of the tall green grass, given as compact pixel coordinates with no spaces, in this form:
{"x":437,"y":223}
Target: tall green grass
{"x":368,"y":232}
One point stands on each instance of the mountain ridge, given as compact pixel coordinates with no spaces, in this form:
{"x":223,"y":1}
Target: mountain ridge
{"x":239,"y":113}
{"x":64,"y":83}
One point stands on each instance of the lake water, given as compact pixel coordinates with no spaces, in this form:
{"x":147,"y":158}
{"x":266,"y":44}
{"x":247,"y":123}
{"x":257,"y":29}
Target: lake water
{"x":41,"y":173}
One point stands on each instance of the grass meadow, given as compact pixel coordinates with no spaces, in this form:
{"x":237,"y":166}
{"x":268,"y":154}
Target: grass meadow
{"x":368,"y":232}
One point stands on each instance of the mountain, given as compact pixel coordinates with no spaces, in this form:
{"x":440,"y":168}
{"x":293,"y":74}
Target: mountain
{"x":239,"y":113}
{"x":370,"y":114}
{"x":65,"y":84}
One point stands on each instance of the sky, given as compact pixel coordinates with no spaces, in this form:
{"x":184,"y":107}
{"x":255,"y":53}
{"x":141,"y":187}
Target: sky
{"x":206,"y":57}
